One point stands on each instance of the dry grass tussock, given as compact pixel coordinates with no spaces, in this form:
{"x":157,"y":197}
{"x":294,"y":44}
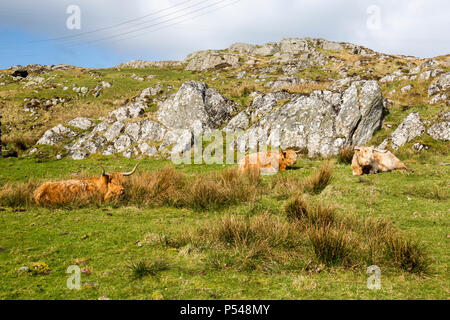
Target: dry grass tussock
{"x":346,"y":155}
{"x":309,"y":232}
{"x":282,"y":186}
{"x":319,"y":179}
{"x":305,"y":88}
{"x":18,"y":195}
{"x":243,"y":90}
{"x":345,"y":240}
{"x":167,"y":186}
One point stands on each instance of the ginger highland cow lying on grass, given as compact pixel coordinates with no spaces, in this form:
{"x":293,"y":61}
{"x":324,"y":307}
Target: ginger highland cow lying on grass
{"x":369,"y":160}
{"x":106,"y":187}
{"x":268,"y":162}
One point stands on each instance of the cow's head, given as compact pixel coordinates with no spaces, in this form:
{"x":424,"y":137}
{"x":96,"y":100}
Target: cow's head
{"x":364,"y":156}
{"x":290,"y":157}
{"x":114,"y":182}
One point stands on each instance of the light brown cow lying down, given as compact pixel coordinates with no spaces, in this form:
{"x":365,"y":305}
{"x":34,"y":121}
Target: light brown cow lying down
{"x":106,"y":187}
{"x":369,"y":160}
{"x":268,"y":162}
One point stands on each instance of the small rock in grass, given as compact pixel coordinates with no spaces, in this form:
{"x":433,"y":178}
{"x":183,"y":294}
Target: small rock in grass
{"x":86,"y":271}
{"x":24,"y":269}
{"x":89,"y":285}
{"x":104,"y":298}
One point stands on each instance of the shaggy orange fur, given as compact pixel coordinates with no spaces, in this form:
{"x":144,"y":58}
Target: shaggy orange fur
{"x":268,"y":162}
{"x":104,"y":188}
{"x":369,"y":160}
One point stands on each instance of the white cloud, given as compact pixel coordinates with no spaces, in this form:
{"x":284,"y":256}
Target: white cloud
{"x":410,"y":27}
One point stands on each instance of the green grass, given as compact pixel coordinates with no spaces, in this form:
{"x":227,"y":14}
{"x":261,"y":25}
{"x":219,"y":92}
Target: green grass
{"x":224,"y":243}
{"x":170,"y":266}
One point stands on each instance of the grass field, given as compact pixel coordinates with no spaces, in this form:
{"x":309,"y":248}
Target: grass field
{"x":161,"y":251}
{"x":200,"y":232}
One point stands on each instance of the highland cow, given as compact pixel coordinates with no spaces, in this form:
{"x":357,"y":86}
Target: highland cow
{"x":104,"y":188}
{"x":369,"y":160}
{"x":268,"y":162}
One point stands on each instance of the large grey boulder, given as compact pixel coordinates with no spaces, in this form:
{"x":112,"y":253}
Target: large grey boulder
{"x":242,"y":48}
{"x":196,"y":107}
{"x":440,"y":131}
{"x":269,"y":49}
{"x":329,"y":45}
{"x":262,"y":104}
{"x":207,"y":60}
{"x":128,"y":112}
{"x":239,"y":123}
{"x":294,"y":46}
{"x":142,"y":64}
{"x":122,"y":143}
{"x":411,"y":128}
{"x":55,"y":135}
{"x":440,"y":88}
{"x":114,"y":130}
{"x":81,"y":123}
{"x":152,"y":131}
{"x":322,"y":122}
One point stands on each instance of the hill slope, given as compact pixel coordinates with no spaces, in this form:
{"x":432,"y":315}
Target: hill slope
{"x":136,"y":108}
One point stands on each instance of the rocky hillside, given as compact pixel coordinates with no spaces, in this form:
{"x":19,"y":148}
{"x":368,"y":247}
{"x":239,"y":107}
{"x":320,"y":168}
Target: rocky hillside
{"x":310,"y":94}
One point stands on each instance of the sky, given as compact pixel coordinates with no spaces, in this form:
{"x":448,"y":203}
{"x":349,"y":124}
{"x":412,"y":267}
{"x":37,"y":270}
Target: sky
{"x":104,"y":33}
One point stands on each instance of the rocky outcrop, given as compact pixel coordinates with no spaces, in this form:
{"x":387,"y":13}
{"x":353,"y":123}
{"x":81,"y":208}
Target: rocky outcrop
{"x":440,"y":89}
{"x":81,"y":123}
{"x":322,"y":122}
{"x":197,"y":108}
{"x":207,"y":60}
{"x":56,"y":135}
{"x":440,"y":131}
{"x":142,"y":64}
{"x":411,"y":128}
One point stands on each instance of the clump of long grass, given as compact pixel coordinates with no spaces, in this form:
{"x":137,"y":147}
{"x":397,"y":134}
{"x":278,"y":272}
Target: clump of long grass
{"x":243,"y":90}
{"x":161,"y":187}
{"x":142,"y":268}
{"x":408,"y":254}
{"x":18,"y":195}
{"x":224,"y":188}
{"x":331,"y":246}
{"x":346,"y":155}
{"x":238,"y":231}
{"x":282,"y":187}
{"x":299,"y":209}
{"x":319,"y":180}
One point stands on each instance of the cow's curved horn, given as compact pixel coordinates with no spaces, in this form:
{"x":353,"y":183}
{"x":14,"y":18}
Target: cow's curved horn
{"x":380,"y":150}
{"x":125,"y":174}
{"x":357,"y":148}
{"x":103,"y":170}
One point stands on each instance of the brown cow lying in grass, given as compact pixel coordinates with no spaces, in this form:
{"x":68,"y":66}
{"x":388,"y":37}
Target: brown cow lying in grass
{"x":369,"y":160}
{"x":104,"y":188}
{"x":268,"y":162}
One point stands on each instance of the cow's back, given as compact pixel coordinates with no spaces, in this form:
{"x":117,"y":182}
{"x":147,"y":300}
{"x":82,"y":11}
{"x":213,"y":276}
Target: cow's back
{"x":64,"y":191}
{"x":260,"y":160}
